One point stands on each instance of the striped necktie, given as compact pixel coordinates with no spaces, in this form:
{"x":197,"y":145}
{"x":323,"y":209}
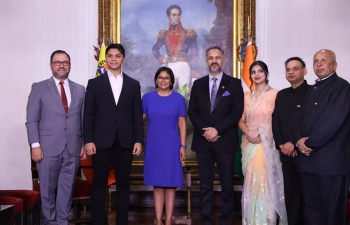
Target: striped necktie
{"x":214,"y":90}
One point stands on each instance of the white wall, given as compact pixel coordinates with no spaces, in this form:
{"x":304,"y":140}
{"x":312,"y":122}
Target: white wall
{"x":300,"y":28}
{"x":30,"y":31}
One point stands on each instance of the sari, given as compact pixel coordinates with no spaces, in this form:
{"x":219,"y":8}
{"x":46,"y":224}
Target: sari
{"x":263,"y":191}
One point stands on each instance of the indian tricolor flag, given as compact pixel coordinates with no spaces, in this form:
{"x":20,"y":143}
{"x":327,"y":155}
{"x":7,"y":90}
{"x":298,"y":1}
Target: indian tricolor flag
{"x":102,"y":66}
{"x":248,"y":60}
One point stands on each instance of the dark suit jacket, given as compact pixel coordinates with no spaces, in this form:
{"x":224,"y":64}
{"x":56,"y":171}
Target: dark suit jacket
{"x":103,"y":119}
{"x":225,"y":116}
{"x":287,"y":116}
{"x":327,"y":124}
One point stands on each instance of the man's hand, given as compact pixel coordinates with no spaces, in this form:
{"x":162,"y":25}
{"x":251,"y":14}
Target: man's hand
{"x":287,"y":149}
{"x":163,"y":60}
{"x":90,"y":148}
{"x":83,"y":155}
{"x":215,"y":138}
{"x":37,"y":154}
{"x":137,"y":149}
{"x":293,"y":154}
{"x":302,"y":147}
{"x":210,"y":133}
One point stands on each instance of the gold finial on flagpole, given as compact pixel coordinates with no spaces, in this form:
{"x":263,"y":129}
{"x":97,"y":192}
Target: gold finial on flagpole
{"x":250,"y":21}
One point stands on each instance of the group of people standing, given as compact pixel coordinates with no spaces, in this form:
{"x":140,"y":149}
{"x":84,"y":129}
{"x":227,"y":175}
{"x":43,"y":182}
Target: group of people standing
{"x":295,"y":153}
{"x":294,"y":145}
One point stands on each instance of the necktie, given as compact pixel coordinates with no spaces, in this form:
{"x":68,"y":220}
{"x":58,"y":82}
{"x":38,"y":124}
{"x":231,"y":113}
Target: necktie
{"x":64,"y":98}
{"x":214,"y":90}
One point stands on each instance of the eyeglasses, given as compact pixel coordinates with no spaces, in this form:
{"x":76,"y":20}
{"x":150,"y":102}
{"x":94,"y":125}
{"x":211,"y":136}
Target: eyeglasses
{"x":294,"y":69}
{"x":160,"y":78}
{"x":58,"y":63}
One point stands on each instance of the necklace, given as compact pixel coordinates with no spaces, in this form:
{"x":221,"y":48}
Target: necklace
{"x":257,"y":98}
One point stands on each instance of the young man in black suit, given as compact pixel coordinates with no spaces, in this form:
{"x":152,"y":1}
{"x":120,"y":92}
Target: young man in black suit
{"x":215,"y":107}
{"x":324,"y":144}
{"x":286,"y":120}
{"x":113,"y":132}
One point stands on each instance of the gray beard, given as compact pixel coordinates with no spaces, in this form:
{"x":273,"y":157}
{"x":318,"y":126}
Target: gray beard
{"x":215,"y":70}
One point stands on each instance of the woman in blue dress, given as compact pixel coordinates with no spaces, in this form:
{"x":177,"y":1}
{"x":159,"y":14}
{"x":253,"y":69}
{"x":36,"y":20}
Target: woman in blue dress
{"x":165,"y":111}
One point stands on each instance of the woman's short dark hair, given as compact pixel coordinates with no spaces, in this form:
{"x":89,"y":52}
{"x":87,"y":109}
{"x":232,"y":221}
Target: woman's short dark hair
{"x":168,"y":71}
{"x":168,"y":10}
{"x":263,"y":67}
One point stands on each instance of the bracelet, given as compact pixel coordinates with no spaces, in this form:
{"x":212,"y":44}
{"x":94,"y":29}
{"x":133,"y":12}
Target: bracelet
{"x":183,"y":146}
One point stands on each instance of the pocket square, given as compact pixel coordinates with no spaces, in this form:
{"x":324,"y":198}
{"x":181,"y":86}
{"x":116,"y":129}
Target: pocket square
{"x":226,"y":93}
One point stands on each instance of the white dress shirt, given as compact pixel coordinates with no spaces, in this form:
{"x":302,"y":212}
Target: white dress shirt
{"x":325,"y":77}
{"x":68,"y":95}
{"x":116,"y":84}
{"x":66,"y":89}
{"x":211,"y":82}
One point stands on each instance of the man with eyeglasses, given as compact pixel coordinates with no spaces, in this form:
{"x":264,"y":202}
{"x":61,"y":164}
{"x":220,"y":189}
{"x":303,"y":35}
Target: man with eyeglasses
{"x":55,"y":135}
{"x":285,"y":122}
{"x":323,"y":144}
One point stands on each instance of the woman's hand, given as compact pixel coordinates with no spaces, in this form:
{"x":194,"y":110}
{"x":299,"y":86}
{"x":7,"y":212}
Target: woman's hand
{"x":182,"y":154}
{"x":256,"y":140}
{"x":253,"y":136}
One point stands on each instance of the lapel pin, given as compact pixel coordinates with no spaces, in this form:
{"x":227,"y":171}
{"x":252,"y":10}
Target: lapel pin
{"x":223,"y":87}
{"x":298,"y":106}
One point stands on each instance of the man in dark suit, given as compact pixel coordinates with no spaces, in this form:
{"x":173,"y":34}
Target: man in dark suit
{"x":324,"y":144}
{"x":54,"y":128}
{"x":285,"y":122}
{"x":215,"y":107}
{"x":113,"y":132}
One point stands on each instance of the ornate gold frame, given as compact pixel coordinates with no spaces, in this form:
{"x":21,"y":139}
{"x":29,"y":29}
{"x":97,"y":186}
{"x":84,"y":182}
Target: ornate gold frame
{"x":243,"y":23}
{"x":109,"y":21}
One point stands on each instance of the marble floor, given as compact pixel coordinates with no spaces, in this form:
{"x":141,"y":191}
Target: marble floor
{"x":146,"y":217}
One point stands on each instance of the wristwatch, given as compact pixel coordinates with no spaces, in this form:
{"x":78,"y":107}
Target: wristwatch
{"x":183,"y":146}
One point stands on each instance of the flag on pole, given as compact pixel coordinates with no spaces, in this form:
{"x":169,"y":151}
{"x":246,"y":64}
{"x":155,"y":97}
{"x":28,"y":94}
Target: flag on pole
{"x":249,"y":58}
{"x":102,"y":66}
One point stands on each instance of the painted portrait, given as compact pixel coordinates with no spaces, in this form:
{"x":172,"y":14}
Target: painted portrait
{"x":174,"y":34}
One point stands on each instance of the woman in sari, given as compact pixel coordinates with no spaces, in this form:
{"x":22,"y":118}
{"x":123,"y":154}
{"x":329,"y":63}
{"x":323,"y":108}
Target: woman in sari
{"x":262,"y":195}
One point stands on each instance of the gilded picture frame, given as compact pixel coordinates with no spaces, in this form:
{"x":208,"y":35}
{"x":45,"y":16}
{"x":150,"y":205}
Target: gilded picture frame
{"x":243,"y":25}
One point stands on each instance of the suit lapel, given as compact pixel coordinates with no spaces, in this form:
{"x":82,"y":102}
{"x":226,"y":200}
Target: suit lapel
{"x":206,"y":95}
{"x":108,"y":87}
{"x":73,"y":94}
{"x":53,"y":89}
{"x":221,"y":90}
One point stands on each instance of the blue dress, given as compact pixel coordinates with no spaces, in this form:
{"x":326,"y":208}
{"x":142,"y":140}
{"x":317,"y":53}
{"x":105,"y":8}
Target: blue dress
{"x":162,"y":166}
